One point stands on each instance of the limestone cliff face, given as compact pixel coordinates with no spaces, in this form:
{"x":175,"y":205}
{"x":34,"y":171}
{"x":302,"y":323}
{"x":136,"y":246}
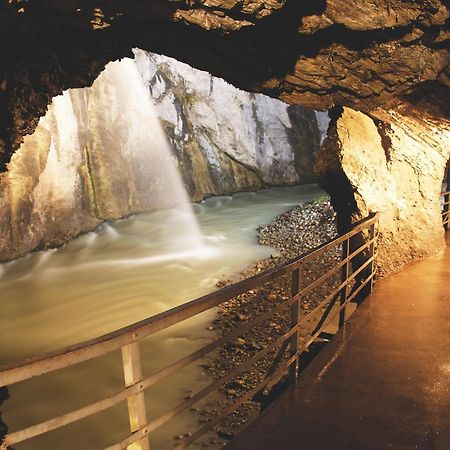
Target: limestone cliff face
{"x":225,"y":139}
{"x":99,"y":153}
{"x":394,"y":165}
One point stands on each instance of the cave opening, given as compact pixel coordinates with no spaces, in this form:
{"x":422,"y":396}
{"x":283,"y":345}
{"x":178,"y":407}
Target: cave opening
{"x":104,"y":199}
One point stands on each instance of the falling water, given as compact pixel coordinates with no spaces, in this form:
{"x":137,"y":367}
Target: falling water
{"x":112,"y":129}
{"x":121,"y":115}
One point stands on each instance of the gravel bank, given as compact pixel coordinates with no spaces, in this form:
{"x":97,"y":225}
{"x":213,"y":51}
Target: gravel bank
{"x":290,"y":234}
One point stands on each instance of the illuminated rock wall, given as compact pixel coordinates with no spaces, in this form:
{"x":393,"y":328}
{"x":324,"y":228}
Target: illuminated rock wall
{"x":394,"y":165}
{"x":228,"y":140}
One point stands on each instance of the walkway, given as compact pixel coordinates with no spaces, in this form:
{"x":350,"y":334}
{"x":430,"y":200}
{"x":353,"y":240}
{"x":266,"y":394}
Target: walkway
{"x":383,"y":383}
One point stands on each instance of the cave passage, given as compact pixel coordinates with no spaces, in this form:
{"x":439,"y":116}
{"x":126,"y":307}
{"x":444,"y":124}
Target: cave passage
{"x":74,"y":159}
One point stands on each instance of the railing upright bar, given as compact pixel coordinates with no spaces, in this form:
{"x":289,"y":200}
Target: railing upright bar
{"x":136,"y":403}
{"x":345,"y":273}
{"x":372,"y":254}
{"x":295,"y":318}
{"x":446,"y":212}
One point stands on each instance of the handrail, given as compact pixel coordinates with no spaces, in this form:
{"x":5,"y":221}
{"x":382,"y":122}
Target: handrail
{"x":446,"y":210}
{"x":128,"y":338}
{"x":83,"y":351}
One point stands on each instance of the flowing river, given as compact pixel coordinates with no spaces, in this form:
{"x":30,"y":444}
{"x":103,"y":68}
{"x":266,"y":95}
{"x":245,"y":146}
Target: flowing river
{"x":122,"y":273}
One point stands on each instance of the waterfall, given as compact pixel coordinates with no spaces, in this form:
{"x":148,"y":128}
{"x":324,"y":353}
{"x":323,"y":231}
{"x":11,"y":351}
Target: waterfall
{"x":121,"y":115}
{"x":107,"y":140}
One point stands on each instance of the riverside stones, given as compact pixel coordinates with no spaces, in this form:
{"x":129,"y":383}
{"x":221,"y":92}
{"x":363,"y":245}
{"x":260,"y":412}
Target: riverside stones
{"x":292,"y":233}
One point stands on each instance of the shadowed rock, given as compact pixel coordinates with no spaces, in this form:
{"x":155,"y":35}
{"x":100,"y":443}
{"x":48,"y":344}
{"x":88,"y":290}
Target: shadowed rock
{"x":317,"y":54}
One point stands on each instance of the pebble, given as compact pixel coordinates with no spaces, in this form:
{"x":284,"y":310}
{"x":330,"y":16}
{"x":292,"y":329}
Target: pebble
{"x":239,"y":342}
{"x":240,"y":317}
{"x":225,"y":435}
{"x":292,"y":233}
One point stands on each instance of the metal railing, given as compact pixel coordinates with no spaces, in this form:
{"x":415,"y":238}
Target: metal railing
{"x":355,"y":272}
{"x":446,"y":210}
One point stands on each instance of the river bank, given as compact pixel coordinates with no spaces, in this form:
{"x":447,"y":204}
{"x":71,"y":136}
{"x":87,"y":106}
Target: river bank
{"x":290,"y":234}
{"x":126,"y":271}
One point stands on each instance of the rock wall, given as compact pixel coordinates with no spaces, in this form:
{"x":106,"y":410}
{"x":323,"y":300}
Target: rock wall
{"x":394,"y":165}
{"x":45,"y":196}
{"x":225,"y":139}
{"x":364,"y":55}
{"x":91,"y":159}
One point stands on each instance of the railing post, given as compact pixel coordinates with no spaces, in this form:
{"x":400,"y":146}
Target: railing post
{"x":345,"y":272}
{"x":295,"y":318}
{"x":446,"y":212}
{"x":372,"y":255}
{"x":136,"y":404}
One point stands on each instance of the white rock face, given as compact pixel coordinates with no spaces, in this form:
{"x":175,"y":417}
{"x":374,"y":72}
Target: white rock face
{"x":97,"y":153}
{"x":226,"y":139}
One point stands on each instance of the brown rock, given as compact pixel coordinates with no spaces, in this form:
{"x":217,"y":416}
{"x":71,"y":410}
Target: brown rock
{"x":399,"y":175}
{"x":317,"y":54}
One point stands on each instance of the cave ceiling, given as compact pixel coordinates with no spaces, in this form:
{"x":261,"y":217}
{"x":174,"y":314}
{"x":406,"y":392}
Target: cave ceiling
{"x":363,"y":54}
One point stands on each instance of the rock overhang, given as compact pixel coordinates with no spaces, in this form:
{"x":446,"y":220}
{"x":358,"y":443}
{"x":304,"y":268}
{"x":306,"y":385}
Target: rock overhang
{"x":364,"y":55}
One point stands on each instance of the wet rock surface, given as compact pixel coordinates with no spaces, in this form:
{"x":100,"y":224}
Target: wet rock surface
{"x":291,"y":234}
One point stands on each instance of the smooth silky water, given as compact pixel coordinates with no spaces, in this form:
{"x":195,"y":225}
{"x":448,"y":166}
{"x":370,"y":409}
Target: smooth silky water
{"x":124,"y":272}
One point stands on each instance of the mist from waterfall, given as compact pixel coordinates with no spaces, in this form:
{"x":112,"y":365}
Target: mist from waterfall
{"x":115,"y":116}
{"x":124,"y":116}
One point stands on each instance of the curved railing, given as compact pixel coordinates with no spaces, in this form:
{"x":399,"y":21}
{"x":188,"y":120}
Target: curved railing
{"x":358,"y":251}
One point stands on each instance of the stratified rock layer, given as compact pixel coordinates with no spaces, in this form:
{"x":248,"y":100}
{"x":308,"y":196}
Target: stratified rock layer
{"x":395,"y":167}
{"x":320,"y":54}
